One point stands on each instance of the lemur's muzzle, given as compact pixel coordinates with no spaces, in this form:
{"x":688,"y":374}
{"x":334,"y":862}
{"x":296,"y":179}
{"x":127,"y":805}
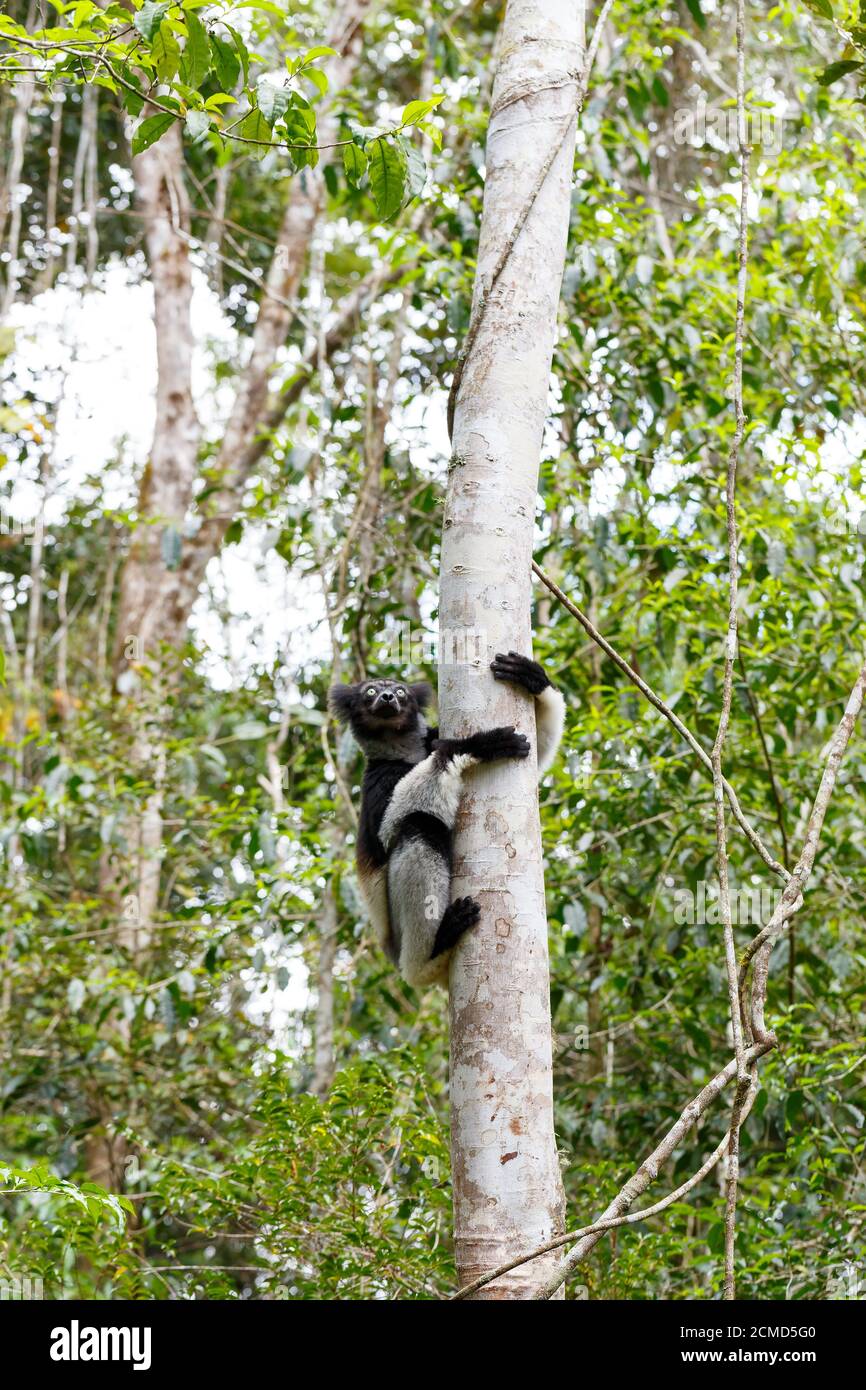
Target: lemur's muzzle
{"x":386,"y":704}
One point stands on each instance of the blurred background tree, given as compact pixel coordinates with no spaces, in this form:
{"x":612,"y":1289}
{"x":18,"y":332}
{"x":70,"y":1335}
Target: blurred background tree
{"x":192,"y":1016}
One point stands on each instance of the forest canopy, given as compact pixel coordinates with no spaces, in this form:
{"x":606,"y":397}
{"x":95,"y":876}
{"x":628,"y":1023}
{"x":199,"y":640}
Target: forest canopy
{"x":245,"y":257}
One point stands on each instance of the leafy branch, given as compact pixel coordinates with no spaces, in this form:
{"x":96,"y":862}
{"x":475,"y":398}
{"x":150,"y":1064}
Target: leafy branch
{"x":92,"y":1198}
{"x":170,"y":65}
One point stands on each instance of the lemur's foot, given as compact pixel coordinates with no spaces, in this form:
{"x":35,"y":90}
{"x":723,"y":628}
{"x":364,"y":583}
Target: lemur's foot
{"x":492,"y":744}
{"x":520,"y":670}
{"x":457,"y":918}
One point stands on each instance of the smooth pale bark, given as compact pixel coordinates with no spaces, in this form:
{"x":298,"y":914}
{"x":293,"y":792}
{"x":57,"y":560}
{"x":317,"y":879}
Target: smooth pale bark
{"x":10,"y":204}
{"x":34,"y":604}
{"x":166,"y":486}
{"x":164,"y":497}
{"x":49,"y":270}
{"x":507,"y":1184}
{"x":131,"y":881}
{"x":84,"y":184}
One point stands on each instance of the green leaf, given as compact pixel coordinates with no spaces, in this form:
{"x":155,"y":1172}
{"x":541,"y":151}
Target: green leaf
{"x":243,"y":53}
{"x":697,"y":14}
{"x":660,"y":92}
{"x":427,"y":500}
{"x":214,"y":755}
{"x":197,"y":124}
{"x":132,"y":101}
{"x":273,"y":100}
{"x":225,"y":61}
{"x":433,"y":133}
{"x":387,"y":169}
{"x":150,"y":130}
{"x":318,"y":79}
{"x":417,"y":110}
{"x":821,"y":7}
{"x":196,"y":53}
{"x":416,"y":172}
{"x":354,"y":163}
{"x":300,"y":126}
{"x":2,"y":667}
{"x":217,"y":100}
{"x":255,"y":127}
{"x":252,"y":728}
{"x":166,"y":53}
{"x":836,"y":70}
{"x":636,"y":99}
{"x":149,"y":17}
{"x":266,"y":5}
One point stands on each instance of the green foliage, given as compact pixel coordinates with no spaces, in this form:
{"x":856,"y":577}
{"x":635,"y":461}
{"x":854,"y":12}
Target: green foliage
{"x":387,"y":172}
{"x":184,"y":60}
{"x":90,"y":1197}
{"x":188,"y":1069}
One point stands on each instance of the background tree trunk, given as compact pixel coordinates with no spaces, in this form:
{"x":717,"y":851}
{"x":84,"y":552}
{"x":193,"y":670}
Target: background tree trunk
{"x":166,"y":487}
{"x":168,"y":594}
{"x":507,"y":1186}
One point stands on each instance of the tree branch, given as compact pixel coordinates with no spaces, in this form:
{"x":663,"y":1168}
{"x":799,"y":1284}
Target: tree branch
{"x":658,"y":703}
{"x":617,"y":1212}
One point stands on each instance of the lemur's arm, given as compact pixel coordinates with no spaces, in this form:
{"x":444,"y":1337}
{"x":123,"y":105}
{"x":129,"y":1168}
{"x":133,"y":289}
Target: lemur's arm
{"x":549,"y":703}
{"x":433,"y":787}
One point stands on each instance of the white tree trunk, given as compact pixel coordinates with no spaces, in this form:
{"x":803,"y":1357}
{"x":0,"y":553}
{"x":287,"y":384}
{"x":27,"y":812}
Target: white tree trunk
{"x":507,"y":1185}
{"x":147,"y":583}
{"x":10,"y":204}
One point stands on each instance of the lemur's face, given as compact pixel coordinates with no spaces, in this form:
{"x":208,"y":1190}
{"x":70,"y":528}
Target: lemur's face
{"x":385,"y":699}
{"x":377,"y":707}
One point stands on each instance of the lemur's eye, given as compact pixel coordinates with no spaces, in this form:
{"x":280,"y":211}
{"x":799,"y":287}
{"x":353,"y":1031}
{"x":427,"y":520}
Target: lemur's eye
{"x":401,"y":692}
{"x":371,"y":690}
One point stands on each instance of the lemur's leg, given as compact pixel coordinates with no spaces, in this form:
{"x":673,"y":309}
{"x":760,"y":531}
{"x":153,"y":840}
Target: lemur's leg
{"x":457,"y":918}
{"x":419,"y":886}
{"x":416,"y":831}
{"x":549,"y":704}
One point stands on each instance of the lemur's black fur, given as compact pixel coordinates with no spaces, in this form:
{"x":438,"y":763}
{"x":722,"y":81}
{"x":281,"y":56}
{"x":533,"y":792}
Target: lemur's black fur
{"x":409,"y":800}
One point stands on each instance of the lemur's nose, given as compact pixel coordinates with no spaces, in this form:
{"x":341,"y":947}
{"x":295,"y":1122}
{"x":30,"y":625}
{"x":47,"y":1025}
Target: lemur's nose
{"x":389,"y":696}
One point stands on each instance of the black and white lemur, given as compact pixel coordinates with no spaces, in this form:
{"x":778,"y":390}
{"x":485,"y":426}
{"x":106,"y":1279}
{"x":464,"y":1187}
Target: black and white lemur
{"x":409,"y":799}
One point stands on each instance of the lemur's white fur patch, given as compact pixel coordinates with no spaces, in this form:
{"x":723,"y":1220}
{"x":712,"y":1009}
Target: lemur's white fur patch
{"x":429,"y":787}
{"x":549,"y":724}
{"x":419,"y":885}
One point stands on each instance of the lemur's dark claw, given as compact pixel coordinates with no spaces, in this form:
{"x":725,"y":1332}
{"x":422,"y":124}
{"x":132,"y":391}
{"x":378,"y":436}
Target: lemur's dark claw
{"x":457,"y":918}
{"x":519,"y":670}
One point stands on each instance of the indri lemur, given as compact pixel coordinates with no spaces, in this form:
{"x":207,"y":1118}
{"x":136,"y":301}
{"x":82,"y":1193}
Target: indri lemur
{"x":409,"y":799}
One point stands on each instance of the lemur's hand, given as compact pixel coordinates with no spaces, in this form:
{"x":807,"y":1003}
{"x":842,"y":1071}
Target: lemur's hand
{"x":520,"y":670}
{"x":492,"y":744}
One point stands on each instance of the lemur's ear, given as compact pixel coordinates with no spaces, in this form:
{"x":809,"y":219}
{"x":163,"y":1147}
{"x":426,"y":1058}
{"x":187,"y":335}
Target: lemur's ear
{"x":341,"y":700}
{"x":423,"y":694}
